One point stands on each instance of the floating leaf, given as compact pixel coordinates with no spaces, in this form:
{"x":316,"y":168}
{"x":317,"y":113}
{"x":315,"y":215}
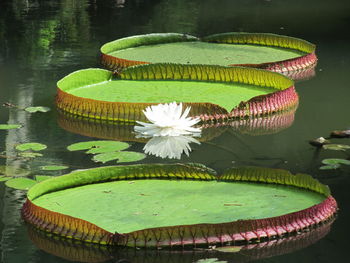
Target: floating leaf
{"x":95,"y":147}
{"x":336,"y":161}
{"x":37,"y":109}
{"x":229,"y":249}
{"x":340,"y":134}
{"x":34,"y":146}
{"x":20,"y":183}
{"x":330,"y":167}
{"x":122,"y":157}
{"x":53,"y":167}
{"x":30,"y":154}
{"x":40,"y":178}
{"x":9,"y":126}
{"x":4,"y":178}
{"x":336,"y":147}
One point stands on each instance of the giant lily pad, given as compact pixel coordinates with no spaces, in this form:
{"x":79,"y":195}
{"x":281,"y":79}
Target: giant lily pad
{"x":169,"y":205}
{"x":214,"y":92}
{"x":269,"y":51}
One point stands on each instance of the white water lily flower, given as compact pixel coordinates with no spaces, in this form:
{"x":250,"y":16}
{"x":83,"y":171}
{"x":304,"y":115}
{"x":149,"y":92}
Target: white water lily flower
{"x":167,"y":120}
{"x":169,"y":146}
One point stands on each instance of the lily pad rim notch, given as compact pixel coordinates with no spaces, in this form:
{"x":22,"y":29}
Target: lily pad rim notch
{"x":263,"y":39}
{"x":182,"y":235}
{"x":283,"y":98}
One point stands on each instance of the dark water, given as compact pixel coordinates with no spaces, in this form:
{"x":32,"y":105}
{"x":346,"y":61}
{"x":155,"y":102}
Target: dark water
{"x":42,"y":41}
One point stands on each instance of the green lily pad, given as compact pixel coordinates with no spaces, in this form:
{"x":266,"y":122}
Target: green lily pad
{"x":121,"y":157}
{"x":95,"y":147}
{"x":20,"y":183}
{"x":173,"y":198}
{"x":9,"y":126}
{"x":336,"y":147}
{"x":53,"y":167}
{"x":37,"y":109}
{"x":34,"y":146}
{"x":220,"y":49}
{"x":335,"y":161}
{"x":209,"y":90}
{"x":4,"y":178}
{"x":330,"y":167}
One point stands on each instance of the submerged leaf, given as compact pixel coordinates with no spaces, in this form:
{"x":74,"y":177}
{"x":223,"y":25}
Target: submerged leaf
{"x":121,"y":157}
{"x":330,"y":167}
{"x":336,"y":147}
{"x":11,"y":171}
{"x":9,"y":126}
{"x":336,"y":161}
{"x":37,"y":109}
{"x":53,"y":167}
{"x":20,"y":183}
{"x":34,"y":146}
{"x":95,"y":147}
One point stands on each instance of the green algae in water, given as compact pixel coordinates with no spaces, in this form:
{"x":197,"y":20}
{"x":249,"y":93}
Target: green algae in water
{"x":126,"y":206}
{"x":207,"y":53}
{"x":223,"y":94}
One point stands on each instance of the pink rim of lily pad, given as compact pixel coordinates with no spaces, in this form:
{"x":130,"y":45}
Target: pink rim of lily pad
{"x":182,"y":235}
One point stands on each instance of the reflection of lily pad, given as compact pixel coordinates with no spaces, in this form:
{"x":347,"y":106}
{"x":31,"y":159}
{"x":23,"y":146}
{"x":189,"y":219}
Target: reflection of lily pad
{"x":242,"y":201}
{"x":95,"y":147}
{"x":121,"y":157}
{"x":20,"y":183}
{"x":336,"y":147}
{"x":37,"y":109}
{"x":9,"y":126}
{"x":53,"y":167}
{"x":12,"y":171}
{"x":34,"y":146}
{"x":213,"y":92}
{"x":269,"y":51}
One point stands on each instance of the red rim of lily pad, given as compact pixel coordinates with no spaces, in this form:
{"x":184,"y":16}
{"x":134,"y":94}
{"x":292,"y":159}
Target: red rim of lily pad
{"x":308,"y":60}
{"x":282,"y":99}
{"x":179,"y":235}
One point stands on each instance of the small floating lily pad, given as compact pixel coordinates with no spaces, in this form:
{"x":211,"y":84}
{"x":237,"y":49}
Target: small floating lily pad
{"x":95,"y":147}
{"x":336,"y":147}
{"x":121,"y":157}
{"x":34,"y":146}
{"x":37,"y":109}
{"x":53,"y":167}
{"x":9,"y":126}
{"x":30,"y":154}
{"x":20,"y":183}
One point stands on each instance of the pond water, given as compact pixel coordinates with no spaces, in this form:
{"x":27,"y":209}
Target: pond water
{"x":41,"y":41}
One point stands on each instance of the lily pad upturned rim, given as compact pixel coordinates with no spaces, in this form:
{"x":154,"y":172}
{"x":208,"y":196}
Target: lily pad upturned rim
{"x":284,"y":98}
{"x":265,"y":39}
{"x":197,"y":234}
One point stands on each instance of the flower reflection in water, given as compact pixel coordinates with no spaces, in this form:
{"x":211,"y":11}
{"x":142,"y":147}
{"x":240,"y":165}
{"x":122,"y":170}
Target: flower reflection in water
{"x":171,"y":147}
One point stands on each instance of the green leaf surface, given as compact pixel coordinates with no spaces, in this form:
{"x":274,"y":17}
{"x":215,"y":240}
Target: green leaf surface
{"x":4,"y":178}
{"x":206,"y":53}
{"x":335,"y":161}
{"x":336,"y":147}
{"x":34,"y":146}
{"x":9,"y":126}
{"x":330,"y":167}
{"x":37,"y":109}
{"x":121,"y":157}
{"x":210,"y":260}
{"x":228,"y":249}
{"x":20,"y":183}
{"x":53,"y":167}
{"x":95,"y":147}
{"x":140,"y":204}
